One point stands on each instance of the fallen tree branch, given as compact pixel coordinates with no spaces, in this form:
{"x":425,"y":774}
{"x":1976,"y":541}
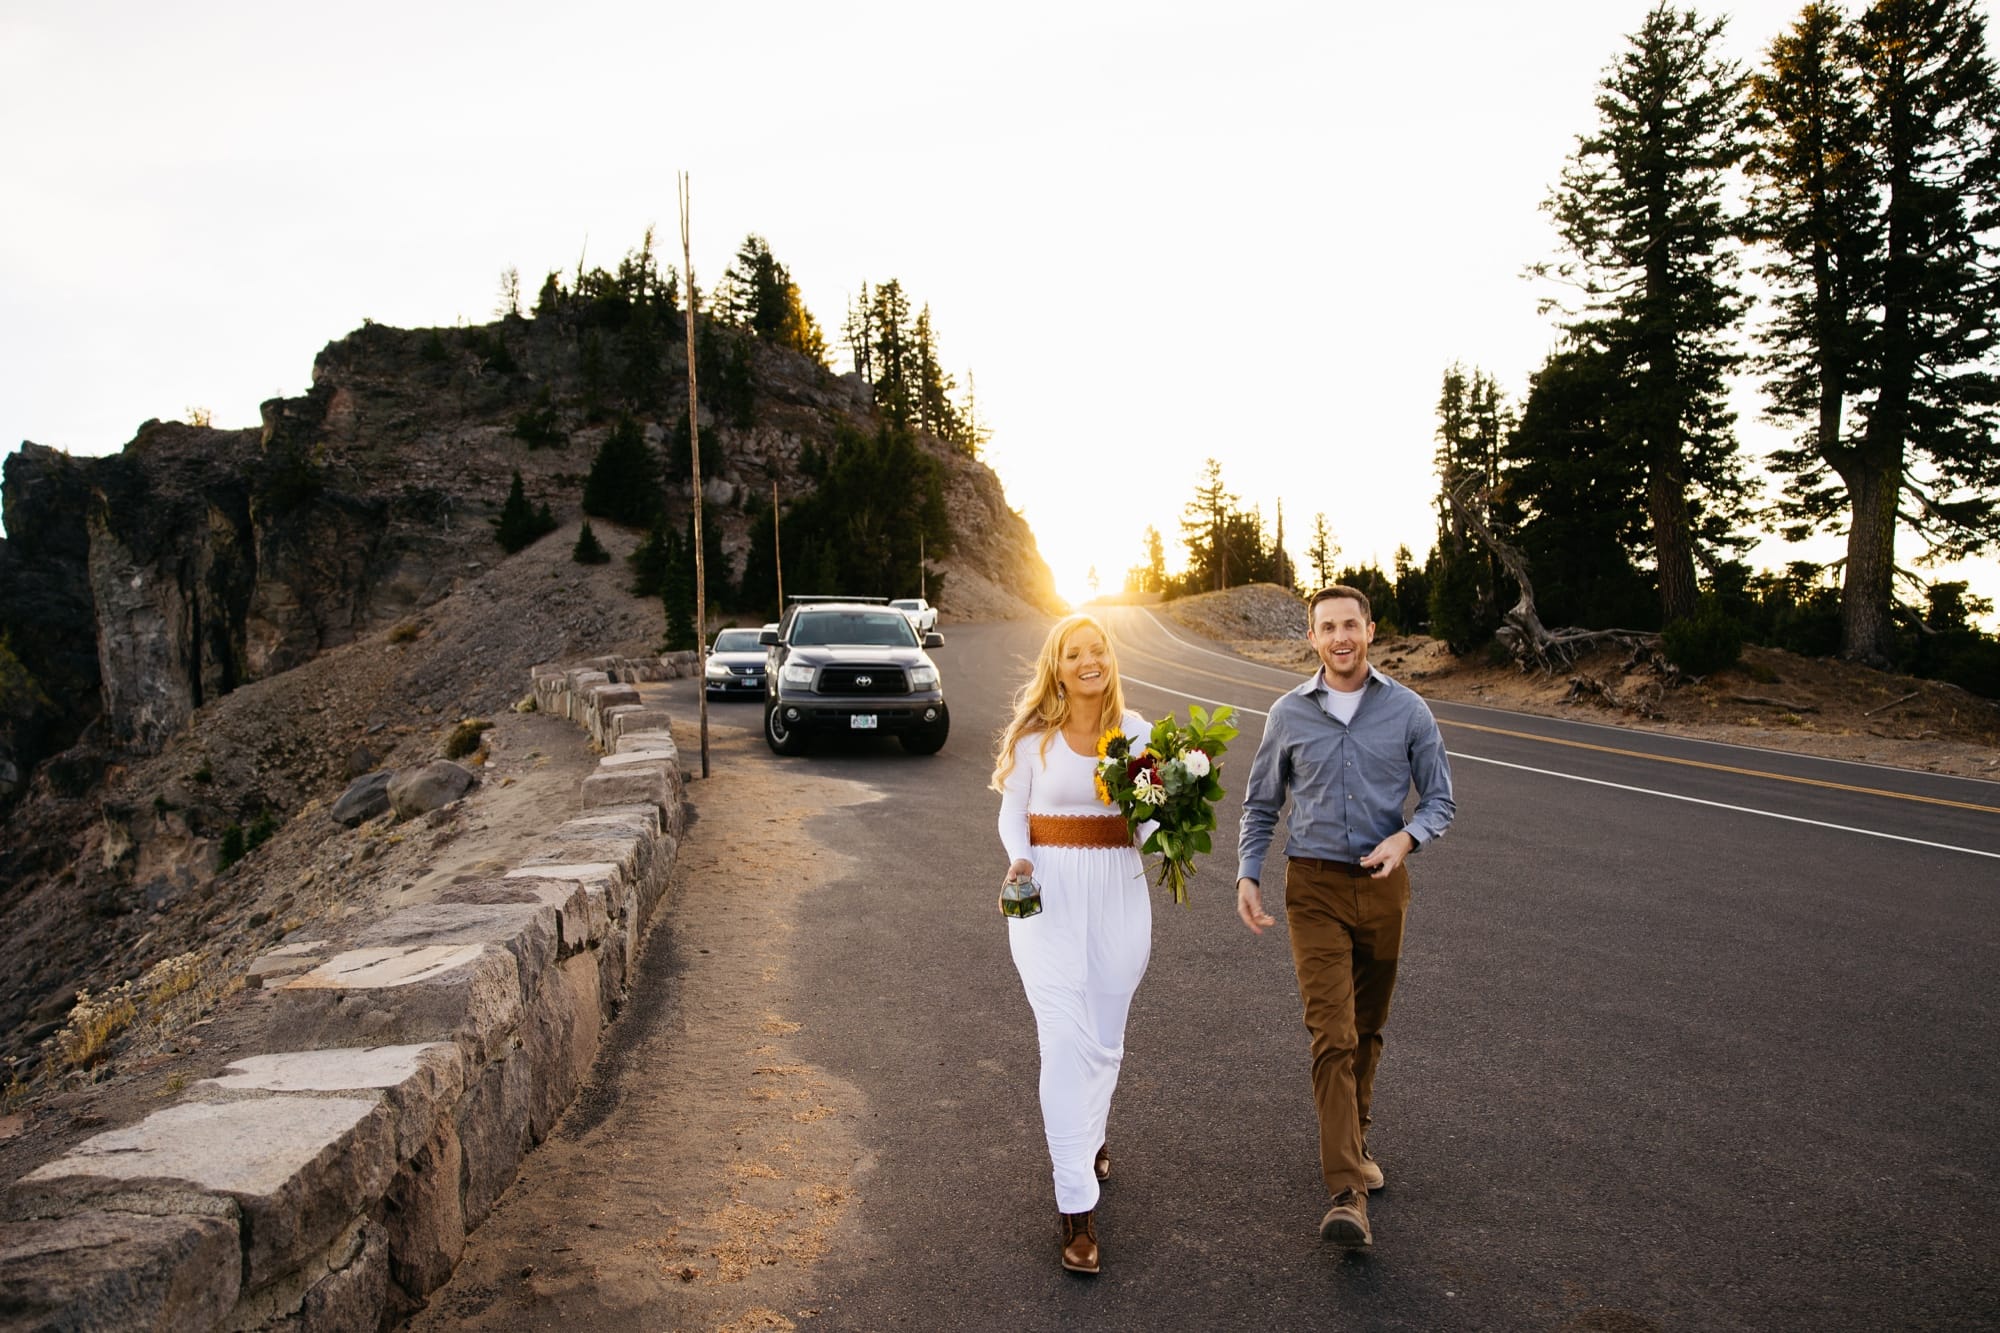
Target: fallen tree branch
{"x":1891,"y":704}
{"x":1789,"y":705}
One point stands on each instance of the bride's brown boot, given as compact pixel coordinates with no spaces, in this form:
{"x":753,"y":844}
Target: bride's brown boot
{"x":1101,"y":1164}
{"x":1079,"y":1242}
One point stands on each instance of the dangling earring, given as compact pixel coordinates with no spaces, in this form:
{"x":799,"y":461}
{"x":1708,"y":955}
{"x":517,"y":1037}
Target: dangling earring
{"x":1062,"y":693}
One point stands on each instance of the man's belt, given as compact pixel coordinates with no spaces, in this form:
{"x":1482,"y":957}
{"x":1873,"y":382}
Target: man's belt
{"x":1078,"y":831}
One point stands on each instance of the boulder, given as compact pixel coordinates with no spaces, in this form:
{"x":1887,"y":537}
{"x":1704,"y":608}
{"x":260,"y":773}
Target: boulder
{"x":420,"y":790}
{"x":365,"y":798}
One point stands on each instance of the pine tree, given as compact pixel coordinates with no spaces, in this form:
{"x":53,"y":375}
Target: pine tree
{"x":677,"y":597}
{"x":1878,"y":168}
{"x":588,"y":550}
{"x":622,"y":485}
{"x":652,"y":558}
{"x":1323,"y":552}
{"x":1204,"y":531}
{"x":519,"y":522}
{"x":893,"y":355}
{"x":1574,"y":499}
{"x":1641,"y":207}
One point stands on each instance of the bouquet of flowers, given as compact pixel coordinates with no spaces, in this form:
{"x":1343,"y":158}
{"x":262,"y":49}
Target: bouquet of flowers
{"x":1173,"y":781}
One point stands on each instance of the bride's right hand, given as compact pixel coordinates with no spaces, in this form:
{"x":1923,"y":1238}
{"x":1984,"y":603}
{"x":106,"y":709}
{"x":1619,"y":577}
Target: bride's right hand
{"x":1018,"y":871}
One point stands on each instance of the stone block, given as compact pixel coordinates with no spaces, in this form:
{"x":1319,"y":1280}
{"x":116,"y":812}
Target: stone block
{"x":661,"y":743}
{"x":492,"y":1127}
{"x":101,"y":1270}
{"x":529,"y":931}
{"x":611,"y":959}
{"x":419,"y":1084}
{"x":643,"y":719}
{"x":559,"y":1036}
{"x":580,"y":915}
{"x":352,"y":1295}
{"x":648,"y":783}
{"x":425,"y":1216}
{"x":285,"y":961}
{"x":631,"y":852}
{"x":300,"y":1169}
{"x":464,"y":993}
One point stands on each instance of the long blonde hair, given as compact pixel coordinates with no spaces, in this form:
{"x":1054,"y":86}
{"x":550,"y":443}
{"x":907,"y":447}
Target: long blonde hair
{"x":1043,"y":705}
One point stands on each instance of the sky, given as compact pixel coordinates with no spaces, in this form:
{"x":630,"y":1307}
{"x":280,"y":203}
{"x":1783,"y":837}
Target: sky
{"x":1150,"y":234}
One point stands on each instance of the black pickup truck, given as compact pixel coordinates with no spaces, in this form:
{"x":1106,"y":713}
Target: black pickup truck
{"x":851,"y":665}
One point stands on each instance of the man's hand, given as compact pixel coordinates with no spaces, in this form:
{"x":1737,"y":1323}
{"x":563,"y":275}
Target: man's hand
{"x":1250,"y":906}
{"x":1389,"y":854}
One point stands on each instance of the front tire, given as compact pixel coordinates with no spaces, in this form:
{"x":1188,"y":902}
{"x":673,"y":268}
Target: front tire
{"x":781,"y":738}
{"x":930,"y":739}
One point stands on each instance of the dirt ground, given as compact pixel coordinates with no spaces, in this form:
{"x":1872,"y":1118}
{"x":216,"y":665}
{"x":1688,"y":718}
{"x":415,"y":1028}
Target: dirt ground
{"x":702,"y":1174}
{"x":1771,"y":698}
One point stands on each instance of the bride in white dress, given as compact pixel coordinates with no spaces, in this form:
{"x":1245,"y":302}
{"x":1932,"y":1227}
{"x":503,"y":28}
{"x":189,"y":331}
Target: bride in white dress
{"x":1082,"y":956}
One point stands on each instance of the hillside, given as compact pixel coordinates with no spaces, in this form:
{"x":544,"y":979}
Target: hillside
{"x":217,"y":629}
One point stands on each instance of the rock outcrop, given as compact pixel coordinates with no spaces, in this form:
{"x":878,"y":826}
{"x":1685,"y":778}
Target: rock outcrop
{"x":136,"y":587}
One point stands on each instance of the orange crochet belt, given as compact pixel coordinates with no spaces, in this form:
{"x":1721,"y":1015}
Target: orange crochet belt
{"x":1078,"y":831}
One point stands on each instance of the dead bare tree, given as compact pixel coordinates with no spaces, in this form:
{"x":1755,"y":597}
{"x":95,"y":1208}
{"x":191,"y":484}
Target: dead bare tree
{"x":1521,"y":631}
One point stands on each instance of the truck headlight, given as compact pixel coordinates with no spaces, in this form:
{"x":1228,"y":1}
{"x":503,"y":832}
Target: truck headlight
{"x":924,"y":678}
{"x":798,"y":673}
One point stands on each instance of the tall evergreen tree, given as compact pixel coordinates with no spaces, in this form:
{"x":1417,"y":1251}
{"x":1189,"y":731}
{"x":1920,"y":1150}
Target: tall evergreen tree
{"x":623,"y":483}
{"x":1574,"y":498}
{"x":1204,"y":531}
{"x":1323,"y":552}
{"x":520,"y":523}
{"x":894,"y":354}
{"x":1642,"y":209}
{"x":1879,"y":186}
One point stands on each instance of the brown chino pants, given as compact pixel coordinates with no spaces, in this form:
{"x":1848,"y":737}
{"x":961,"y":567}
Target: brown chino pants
{"x":1347,"y":933}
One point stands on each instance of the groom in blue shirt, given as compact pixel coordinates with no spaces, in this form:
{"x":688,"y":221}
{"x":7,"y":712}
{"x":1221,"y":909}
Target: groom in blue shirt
{"x":1346,"y":747}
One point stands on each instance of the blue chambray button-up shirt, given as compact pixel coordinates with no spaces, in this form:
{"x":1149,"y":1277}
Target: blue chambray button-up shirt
{"x":1347,"y":781}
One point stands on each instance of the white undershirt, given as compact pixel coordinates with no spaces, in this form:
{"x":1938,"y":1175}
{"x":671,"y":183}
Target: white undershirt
{"x":1341,"y":703}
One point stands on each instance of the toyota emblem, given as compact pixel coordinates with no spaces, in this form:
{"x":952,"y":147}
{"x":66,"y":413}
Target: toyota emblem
{"x":864,"y":681}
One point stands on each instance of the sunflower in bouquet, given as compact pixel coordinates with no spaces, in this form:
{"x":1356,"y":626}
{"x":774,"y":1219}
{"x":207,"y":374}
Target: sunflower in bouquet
{"x":1172,"y":782}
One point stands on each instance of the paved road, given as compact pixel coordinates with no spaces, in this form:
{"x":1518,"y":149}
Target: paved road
{"x":1688,"y":1036}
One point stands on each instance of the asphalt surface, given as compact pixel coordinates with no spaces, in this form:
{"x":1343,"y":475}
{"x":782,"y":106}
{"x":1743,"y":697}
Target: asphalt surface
{"x":1686,"y":1036}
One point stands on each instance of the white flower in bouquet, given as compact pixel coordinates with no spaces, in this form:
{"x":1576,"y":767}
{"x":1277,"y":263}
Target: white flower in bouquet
{"x":1196,"y":763}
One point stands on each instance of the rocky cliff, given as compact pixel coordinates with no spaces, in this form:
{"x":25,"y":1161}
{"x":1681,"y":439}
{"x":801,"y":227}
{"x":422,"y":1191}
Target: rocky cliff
{"x":213,"y":630}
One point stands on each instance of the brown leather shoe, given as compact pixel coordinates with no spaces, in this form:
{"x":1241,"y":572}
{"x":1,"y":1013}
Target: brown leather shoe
{"x":1371,"y":1170}
{"x":1079,"y":1242}
{"x":1102,"y":1164}
{"x":1346,"y":1223}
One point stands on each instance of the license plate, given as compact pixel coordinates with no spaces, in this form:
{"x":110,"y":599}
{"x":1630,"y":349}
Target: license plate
{"x":861,"y":722}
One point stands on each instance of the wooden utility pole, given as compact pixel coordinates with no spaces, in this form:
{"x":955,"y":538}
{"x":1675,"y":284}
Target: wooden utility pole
{"x":694,"y":450}
{"x":777,"y":548}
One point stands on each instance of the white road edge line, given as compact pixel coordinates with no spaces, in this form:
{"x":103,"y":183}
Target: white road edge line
{"x":1585,"y":722}
{"x":1719,"y":805}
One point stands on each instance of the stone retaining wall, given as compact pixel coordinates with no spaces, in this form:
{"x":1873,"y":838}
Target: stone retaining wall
{"x":410,"y":1063}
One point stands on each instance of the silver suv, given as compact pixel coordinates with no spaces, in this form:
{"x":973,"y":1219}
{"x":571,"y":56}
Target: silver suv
{"x":851,"y":664}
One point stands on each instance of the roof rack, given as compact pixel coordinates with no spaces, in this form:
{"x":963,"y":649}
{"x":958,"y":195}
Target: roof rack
{"x":829,"y":597}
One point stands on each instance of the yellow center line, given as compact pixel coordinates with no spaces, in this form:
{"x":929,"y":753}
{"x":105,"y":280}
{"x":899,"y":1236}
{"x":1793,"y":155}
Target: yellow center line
{"x":1723,"y":768}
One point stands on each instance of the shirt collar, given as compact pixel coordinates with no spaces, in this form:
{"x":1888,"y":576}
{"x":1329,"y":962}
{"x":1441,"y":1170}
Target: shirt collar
{"x":1316,"y":682}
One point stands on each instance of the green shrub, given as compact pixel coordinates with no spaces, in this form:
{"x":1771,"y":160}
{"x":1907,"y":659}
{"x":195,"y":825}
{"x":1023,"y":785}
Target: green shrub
{"x":464,"y":737}
{"x":232,"y":847}
{"x":1706,"y":642}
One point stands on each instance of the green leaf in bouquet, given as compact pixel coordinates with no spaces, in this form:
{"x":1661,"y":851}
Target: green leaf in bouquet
{"x":1202,"y":842}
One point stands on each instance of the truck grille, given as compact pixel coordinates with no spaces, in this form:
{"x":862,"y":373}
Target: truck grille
{"x":862,"y":680}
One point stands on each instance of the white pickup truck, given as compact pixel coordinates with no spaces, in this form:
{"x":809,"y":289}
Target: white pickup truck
{"x":922,"y":615}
